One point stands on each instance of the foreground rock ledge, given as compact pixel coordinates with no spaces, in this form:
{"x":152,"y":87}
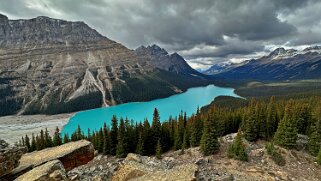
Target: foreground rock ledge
{"x":71,"y":155}
{"x":9,"y":157}
{"x":52,"y":170}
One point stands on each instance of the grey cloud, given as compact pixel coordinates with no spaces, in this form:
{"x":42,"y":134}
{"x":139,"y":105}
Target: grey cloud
{"x":187,"y":25}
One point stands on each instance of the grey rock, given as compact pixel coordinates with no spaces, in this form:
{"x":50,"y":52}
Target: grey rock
{"x":9,"y":157}
{"x":52,"y":170}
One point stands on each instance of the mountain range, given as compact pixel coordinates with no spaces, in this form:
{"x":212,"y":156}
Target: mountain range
{"x":280,"y":64}
{"x":51,"y":66}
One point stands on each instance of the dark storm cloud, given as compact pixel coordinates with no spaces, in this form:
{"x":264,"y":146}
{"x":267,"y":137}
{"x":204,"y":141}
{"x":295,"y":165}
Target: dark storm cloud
{"x":209,"y":30}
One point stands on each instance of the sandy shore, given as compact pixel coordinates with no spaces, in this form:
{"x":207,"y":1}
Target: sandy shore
{"x":12,"y":128}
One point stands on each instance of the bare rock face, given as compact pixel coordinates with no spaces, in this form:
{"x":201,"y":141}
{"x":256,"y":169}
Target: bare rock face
{"x":53,"y":66}
{"x":142,"y":168}
{"x":71,"y":155}
{"x":9,"y":157}
{"x":52,"y":170}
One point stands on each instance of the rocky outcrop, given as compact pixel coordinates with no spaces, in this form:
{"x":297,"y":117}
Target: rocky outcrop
{"x":51,"y":171}
{"x":71,"y":155}
{"x":137,"y":167}
{"x":53,"y":66}
{"x":9,"y":157}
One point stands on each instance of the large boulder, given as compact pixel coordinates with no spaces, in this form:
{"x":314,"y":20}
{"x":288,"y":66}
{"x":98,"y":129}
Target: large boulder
{"x":9,"y":157}
{"x":71,"y":155}
{"x":50,"y":171}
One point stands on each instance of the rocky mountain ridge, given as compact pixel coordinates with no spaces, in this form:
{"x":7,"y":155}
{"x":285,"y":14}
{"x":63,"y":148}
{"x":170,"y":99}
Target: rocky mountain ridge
{"x":52,"y":66}
{"x":280,"y":64}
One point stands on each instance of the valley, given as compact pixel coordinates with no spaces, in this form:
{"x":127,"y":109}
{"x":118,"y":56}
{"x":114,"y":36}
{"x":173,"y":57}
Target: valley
{"x":116,"y":90}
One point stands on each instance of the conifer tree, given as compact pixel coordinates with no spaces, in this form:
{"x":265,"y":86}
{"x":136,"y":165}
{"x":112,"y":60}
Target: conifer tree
{"x":286,"y":134}
{"x":315,"y":138}
{"x":148,"y":146}
{"x":48,"y":139}
{"x":79,"y":133}
{"x":159,"y":150}
{"x":156,"y":128}
{"x":27,"y":142}
{"x":106,"y":144}
{"x":193,"y":137}
{"x":66,"y":138}
{"x":250,"y":125}
{"x":100,"y":140}
{"x":209,"y":141}
{"x":121,"y":145}
{"x":57,"y":139}
{"x":89,"y":137}
{"x":33,"y":143}
{"x":237,"y":149}
{"x":303,"y":118}
{"x":140,"y":145}
{"x":113,"y":135}
{"x":41,"y":140}
{"x":272,"y":119}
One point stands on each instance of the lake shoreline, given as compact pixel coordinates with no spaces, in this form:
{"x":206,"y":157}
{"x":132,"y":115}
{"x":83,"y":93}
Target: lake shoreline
{"x":187,"y":101}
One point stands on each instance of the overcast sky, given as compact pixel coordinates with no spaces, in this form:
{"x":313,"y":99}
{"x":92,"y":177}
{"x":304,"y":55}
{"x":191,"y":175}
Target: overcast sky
{"x":202,"y":31}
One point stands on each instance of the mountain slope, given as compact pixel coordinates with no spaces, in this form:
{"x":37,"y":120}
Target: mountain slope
{"x":52,"y":66}
{"x":281,"y":64}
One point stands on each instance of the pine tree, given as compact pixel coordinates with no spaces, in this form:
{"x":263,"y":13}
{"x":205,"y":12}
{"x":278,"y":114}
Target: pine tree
{"x":79,"y":133}
{"x":287,"y":134}
{"x":41,"y":141}
{"x":66,"y":138}
{"x":113,"y":135}
{"x":193,"y":137}
{"x":272,"y":119}
{"x":250,"y":125}
{"x":319,"y":157}
{"x":57,"y":139}
{"x":33,"y":143}
{"x":89,"y":135}
{"x":237,"y":149}
{"x":140,"y":145}
{"x":48,"y":139}
{"x":121,"y":145}
{"x":159,"y":150}
{"x":27,"y":142}
{"x":100,"y":140}
{"x":106,"y":145}
{"x":156,"y":128}
{"x":148,"y":146}
{"x":315,"y":138}
{"x":209,"y":141}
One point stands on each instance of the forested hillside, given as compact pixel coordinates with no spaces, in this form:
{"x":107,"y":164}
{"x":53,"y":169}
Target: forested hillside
{"x":276,"y":121}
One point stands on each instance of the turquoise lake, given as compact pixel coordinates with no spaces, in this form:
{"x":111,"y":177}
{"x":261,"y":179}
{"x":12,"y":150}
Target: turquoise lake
{"x":138,"y":111}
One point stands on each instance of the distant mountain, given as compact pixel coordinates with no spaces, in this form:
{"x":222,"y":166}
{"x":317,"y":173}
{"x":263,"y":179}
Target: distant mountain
{"x":281,"y":64}
{"x":222,"y":67}
{"x":52,"y":66}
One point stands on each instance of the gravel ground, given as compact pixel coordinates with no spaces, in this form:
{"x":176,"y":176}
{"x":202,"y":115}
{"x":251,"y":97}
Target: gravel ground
{"x":12,"y":128}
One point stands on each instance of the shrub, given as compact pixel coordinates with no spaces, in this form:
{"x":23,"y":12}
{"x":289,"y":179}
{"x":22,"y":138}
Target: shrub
{"x":275,"y":154}
{"x":237,"y":149}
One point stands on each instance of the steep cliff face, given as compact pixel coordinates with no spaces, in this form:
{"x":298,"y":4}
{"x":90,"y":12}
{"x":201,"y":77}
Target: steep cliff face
{"x":52,"y":66}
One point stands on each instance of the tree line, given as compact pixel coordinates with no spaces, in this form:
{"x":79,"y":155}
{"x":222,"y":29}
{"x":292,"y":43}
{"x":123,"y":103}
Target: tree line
{"x":276,"y":121}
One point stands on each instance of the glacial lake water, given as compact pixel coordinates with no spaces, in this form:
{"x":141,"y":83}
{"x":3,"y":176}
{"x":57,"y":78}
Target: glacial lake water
{"x":138,"y":111}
